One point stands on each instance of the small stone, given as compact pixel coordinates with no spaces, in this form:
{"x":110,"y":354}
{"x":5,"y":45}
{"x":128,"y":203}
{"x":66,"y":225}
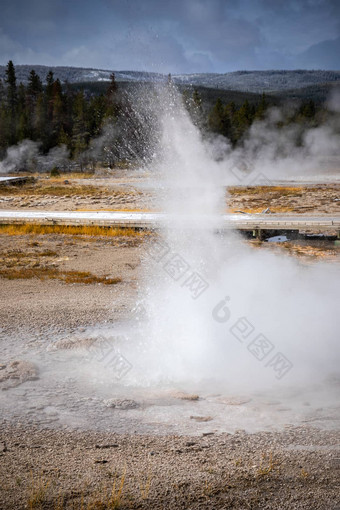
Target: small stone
{"x":105,"y":446}
{"x":186,"y":396}
{"x":201,"y":419}
{"x":117,"y":403}
{"x":17,"y":372}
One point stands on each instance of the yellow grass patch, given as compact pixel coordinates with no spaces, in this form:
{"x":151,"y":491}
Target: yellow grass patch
{"x":306,"y":252}
{"x":256,"y":210}
{"x":68,"y":176}
{"x":47,"y":188}
{"x":122,"y":209}
{"x":311,"y":252}
{"x":257,"y":190}
{"x":81,"y":230}
{"x":45,"y":273}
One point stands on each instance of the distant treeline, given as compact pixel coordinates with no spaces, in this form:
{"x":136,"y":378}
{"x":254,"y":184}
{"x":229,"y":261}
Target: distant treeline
{"x":54,"y":114}
{"x":233,"y":122}
{"x":51,"y":114}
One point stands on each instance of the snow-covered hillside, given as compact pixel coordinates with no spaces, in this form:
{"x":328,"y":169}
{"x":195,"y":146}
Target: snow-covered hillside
{"x":247,"y":81}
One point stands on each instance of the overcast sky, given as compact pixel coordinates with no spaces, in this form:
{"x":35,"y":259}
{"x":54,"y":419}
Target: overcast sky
{"x":181,"y":36}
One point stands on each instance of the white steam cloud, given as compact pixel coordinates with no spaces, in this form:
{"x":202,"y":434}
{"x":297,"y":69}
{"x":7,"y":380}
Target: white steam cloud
{"x":271,"y":152}
{"x":219,"y":313}
{"x":25,"y":157}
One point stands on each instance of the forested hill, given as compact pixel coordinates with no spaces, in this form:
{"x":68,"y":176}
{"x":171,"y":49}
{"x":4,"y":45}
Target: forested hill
{"x":245,"y":81}
{"x":106,"y":122}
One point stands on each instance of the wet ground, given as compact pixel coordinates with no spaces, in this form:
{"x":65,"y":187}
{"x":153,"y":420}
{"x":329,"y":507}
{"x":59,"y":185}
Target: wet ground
{"x":84,"y":380}
{"x":81,"y":343}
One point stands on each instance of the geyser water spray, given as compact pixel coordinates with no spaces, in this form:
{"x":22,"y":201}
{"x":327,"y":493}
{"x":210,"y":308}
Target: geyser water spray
{"x":220,"y":314}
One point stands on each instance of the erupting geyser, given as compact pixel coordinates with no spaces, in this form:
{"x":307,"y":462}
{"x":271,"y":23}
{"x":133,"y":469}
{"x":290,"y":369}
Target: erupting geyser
{"x":220,"y":314}
{"x":223,"y":335}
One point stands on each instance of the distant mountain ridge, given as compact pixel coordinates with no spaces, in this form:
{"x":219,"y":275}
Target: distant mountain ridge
{"x":246,"y":81}
{"x":261,"y":81}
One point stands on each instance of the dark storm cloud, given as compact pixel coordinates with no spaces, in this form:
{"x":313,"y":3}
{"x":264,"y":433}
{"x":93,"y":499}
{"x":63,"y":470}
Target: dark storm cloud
{"x":178,"y":36}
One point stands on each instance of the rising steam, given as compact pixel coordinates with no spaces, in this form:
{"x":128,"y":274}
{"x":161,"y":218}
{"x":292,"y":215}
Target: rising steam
{"x":26,"y":157}
{"x":270,"y":149}
{"x":194,"y":336}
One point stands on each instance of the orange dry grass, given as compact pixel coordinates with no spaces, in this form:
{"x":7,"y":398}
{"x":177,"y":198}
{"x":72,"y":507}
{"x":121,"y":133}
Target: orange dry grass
{"x":84,"y":230}
{"x":311,"y":252}
{"x":17,"y":254}
{"x":307,"y":252}
{"x":254,"y":210}
{"x":45,"y":273}
{"x":67,"y":176}
{"x":57,"y":189}
{"x":115,"y":210}
{"x":256,"y":190}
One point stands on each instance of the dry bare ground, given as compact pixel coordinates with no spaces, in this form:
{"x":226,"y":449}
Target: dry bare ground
{"x":296,"y":469}
{"x":312,"y":199}
{"x":128,"y":193}
{"x":75,"y":194}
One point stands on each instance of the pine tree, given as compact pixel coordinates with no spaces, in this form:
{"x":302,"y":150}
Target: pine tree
{"x":3,"y":130}
{"x":11,"y":86}
{"x":196,"y":97}
{"x":39,"y":123}
{"x":219,"y":121}
{"x":308,"y":109}
{"x":12,"y":102}
{"x":49,"y":95}
{"x":96,"y":114}
{"x":261,"y":108}
{"x":57,"y":111}
{"x":49,"y":81}
{"x":64,"y":139}
{"x":229,"y":119}
{"x":34,"y":90}
{"x":34,"y":87}
{"x":2,"y":91}
{"x":216,"y":117}
{"x":243,"y":119}
{"x":112,"y":103}
{"x":80,"y":132}
{"x":193,"y":104}
{"x":22,"y":128}
{"x":112,"y":88}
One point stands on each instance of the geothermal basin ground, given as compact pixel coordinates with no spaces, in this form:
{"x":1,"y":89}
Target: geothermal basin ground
{"x":78,"y":432}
